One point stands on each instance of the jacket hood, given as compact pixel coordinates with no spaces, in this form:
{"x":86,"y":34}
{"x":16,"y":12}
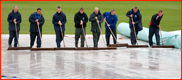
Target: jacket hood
{"x":35,"y":12}
{"x":13,"y":11}
{"x":60,"y":13}
{"x":137,"y":11}
{"x":98,"y":13}
{"x":80,"y":13}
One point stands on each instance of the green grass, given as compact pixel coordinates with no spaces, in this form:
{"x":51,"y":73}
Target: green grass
{"x":171,"y":20}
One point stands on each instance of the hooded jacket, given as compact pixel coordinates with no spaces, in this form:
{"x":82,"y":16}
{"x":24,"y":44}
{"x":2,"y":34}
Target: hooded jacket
{"x":78,"y":16}
{"x":111,"y":19}
{"x":94,"y":24}
{"x":10,"y":19}
{"x":59,"y":17}
{"x":138,"y":22}
{"x":33,"y":24}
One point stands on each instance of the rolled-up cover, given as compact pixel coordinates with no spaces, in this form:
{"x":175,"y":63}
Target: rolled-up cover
{"x":168,"y":38}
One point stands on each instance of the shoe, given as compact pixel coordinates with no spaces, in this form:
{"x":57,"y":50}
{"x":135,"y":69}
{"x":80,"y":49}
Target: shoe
{"x":76,"y":45}
{"x":10,"y":45}
{"x":30,"y":47}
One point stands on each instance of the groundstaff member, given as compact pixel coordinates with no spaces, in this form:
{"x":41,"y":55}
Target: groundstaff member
{"x":154,"y":27}
{"x":59,"y":19}
{"x":95,"y":18}
{"x":36,"y":19}
{"x":111,"y":19}
{"x":80,"y":19}
{"x":14,"y":18}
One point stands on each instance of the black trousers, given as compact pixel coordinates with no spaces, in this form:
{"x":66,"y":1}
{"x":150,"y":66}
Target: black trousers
{"x":132,"y":35}
{"x":108,"y":32}
{"x":32,"y":38}
{"x":96,"y":36}
{"x":12,"y":34}
{"x":59,"y":38}
{"x":78,"y":34}
{"x":152,"y":31}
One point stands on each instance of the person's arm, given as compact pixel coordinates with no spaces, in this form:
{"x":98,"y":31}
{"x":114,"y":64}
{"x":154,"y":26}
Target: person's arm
{"x":140,"y":18}
{"x":128,"y":14}
{"x":101,"y":19}
{"x":54,"y":20}
{"x":76,"y":21}
{"x":115,"y":21}
{"x":153,"y":21}
{"x":86,"y":19}
{"x":31,"y":20}
{"x":64,"y":20}
{"x":104,"y":15}
{"x":92,"y":18}
{"x":9,"y":18}
{"x":42,"y":21}
{"x":19,"y":19}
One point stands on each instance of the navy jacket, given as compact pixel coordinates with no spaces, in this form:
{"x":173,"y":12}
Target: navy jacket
{"x":79,"y":17}
{"x":138,"y":20}
{"x":111,"y":19}
{"x":10,"y":19}
{"x":59,"y":17}
{"x":33,"y":24}
{"x":155,"y":21}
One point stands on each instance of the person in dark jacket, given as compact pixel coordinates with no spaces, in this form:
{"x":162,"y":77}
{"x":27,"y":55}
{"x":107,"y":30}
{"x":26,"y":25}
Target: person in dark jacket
{"x":154,"y":27}
{"x":59,"y":19}
{"x":36,"y":19}
{"x":137,"y":21}
{"x":111,"y":19}
{"x":80,"y":19}
{"x":14,"y":18}
{"x":95,"y":18}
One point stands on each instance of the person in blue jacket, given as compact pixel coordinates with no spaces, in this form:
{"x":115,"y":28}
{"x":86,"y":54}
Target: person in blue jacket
{"x":59,"y":19}
{"x":36,"y":19}
{"x":111,"y":19}
{"x":14,"y":18}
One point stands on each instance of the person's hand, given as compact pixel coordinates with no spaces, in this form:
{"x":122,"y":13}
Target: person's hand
{"x":97,"y":21}
{"x":159,"y":26}
{"x":108,"y":24}
{"x":131,"y":15}
{"x":81,"y":22}
{"x":14,"y":20}
{"x":59,"y":23}
{"x":36,"y":20}
{"x":105,"y":19}
{"x":133,"y":22}
{"x":96,"y":18}
{"x":38,"y":23}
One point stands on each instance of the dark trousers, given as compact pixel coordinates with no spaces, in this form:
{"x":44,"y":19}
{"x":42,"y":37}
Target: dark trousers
{"x":32,"y":38}
{"x":96,"y":36}
{"x":152,"y":31}
{"x":78,"y":33}
{"x":59,"y":38}
{"x":108,"y":32}
{"x":132,"y":35}
{"x":12,"y":34}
